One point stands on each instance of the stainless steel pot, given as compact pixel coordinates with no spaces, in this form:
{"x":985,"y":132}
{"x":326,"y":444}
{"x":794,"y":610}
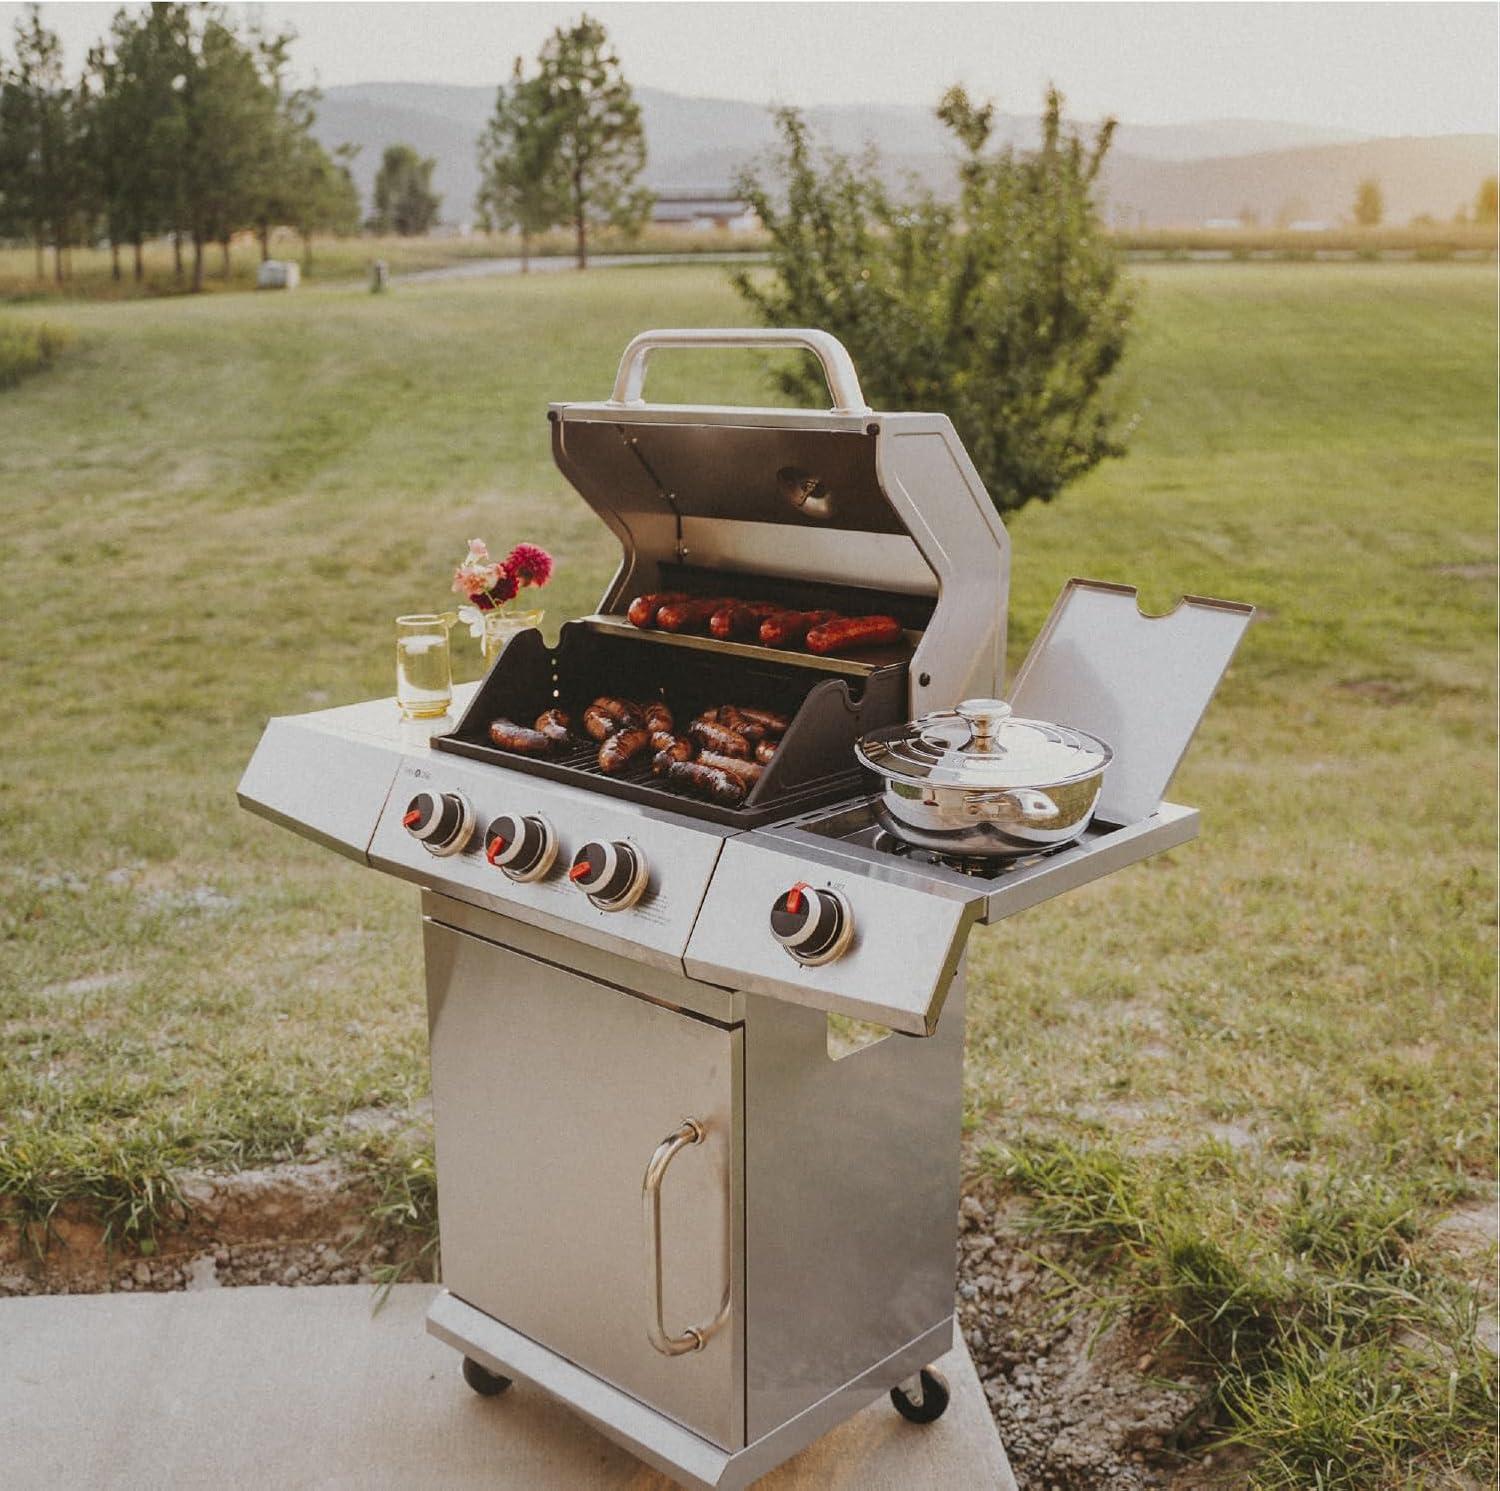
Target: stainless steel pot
{"x":974,"y":781}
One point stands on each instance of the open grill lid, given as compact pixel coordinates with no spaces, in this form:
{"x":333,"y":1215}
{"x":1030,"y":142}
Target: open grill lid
{"x":888,"y":503}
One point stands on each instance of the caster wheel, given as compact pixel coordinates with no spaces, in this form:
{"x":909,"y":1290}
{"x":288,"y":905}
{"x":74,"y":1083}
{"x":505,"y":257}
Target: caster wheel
{"x":929,"y":1406}
{"x":482,"y":1380}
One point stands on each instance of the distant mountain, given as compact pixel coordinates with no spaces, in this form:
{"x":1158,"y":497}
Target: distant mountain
{"x":1158,"y":175}
{"x":1434,"y":175}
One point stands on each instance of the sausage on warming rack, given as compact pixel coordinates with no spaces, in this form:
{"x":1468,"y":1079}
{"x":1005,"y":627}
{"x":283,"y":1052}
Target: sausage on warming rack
{"x":851,"y":632}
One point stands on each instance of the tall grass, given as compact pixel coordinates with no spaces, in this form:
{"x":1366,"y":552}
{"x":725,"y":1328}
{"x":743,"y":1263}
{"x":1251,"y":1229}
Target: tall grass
{"x":29,"y":347}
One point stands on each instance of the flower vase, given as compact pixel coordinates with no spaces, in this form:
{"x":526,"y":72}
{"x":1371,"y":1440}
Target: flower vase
{"x":500,"y":626}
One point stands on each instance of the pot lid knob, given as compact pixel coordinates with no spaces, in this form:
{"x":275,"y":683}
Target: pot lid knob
{"x":984,"y":717}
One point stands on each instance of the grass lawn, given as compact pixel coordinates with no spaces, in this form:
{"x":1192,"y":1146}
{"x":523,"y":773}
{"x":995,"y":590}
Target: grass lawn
{"x":1254,"y":1075}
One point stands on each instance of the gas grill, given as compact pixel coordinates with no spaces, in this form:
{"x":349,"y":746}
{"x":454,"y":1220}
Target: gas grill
{"x":677,"y":1188}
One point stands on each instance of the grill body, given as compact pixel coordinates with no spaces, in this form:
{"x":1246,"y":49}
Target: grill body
{"x":662,"y":1198}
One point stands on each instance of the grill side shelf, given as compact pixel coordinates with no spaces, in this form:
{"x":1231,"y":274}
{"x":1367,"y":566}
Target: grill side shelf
{"x":814,"y":765}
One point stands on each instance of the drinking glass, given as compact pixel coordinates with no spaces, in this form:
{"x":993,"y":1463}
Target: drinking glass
{"x":424,"y":665}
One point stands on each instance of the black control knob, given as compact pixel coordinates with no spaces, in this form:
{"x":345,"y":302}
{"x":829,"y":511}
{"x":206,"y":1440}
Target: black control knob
{"x":525,"y":848}
{"x":443,"y":821}
{"x":813,"y":925}
{"x":612,"y":872}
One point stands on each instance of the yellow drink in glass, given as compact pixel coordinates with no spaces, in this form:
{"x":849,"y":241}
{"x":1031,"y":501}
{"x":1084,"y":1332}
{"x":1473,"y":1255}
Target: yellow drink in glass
{"x":424,"y":666}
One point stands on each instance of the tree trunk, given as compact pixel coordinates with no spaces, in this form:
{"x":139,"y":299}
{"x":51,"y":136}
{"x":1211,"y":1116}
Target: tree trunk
{"x":265,"y":242}
{"x":177,"y":252}
{"x":57,"y":260}
{"x":140,"y":265}
{"x":224,"y":245}
{"x":580,"y":228}
{"x":525,"y":252}
{"x":41,"y":261}
{"x":114,"y":259}
{"x":306,"y":249}
{"x":197,"y":261}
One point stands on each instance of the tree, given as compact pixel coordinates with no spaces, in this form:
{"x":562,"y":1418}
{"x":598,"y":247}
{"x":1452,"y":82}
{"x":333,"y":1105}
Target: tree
{"x":601,"y":146}
{"x":129,"y":101}
{"x":1485,"y":201}
{"x":404,"y":200}
{"x":41,"y":159}
{"x":1006,"y":308}
{"x":327,"y":200}
{"x":522,"y":185}
{"x":1369,"y":203}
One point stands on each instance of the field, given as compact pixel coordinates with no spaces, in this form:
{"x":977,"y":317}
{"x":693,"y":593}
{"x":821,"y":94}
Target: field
{"x":344,"y":261}
{"x":333,"y":261}
{"x":1245,"y":1092}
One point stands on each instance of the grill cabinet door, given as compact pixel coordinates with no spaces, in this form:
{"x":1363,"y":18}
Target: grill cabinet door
{"x":550,"y":1093}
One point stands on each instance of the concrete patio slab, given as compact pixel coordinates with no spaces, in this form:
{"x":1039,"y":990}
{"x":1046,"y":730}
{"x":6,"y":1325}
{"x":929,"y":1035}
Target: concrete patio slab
{"x":305,"y":1388}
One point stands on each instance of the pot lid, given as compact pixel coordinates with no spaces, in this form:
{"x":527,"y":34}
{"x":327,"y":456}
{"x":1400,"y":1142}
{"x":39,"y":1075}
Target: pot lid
{"x":981,"y":745}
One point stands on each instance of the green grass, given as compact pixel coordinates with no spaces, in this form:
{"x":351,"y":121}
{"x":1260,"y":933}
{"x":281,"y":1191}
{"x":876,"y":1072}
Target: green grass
{"x":1254,"y":1072}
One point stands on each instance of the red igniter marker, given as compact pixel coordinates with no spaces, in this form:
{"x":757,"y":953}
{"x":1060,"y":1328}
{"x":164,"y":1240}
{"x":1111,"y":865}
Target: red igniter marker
{"x":794,"y":898}
{"x":494,"y":847}
{"x":411,"y":817}
{"x":579,"y":870}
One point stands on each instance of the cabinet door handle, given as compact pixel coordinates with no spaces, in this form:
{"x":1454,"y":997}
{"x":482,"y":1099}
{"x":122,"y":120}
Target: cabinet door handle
{"x":693,"y":1338}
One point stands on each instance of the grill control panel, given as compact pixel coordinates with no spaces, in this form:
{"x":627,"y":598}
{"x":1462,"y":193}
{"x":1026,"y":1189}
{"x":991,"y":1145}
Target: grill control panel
{"x":621,"y":877}
{"x":838,"y":939}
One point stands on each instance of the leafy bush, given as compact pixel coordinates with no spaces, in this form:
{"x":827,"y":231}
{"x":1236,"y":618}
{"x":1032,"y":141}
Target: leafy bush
{"x":28,"y":349}
{"x":1004,"y":308}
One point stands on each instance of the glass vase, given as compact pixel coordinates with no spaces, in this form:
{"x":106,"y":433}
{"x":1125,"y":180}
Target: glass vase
{"x":500,"y":626}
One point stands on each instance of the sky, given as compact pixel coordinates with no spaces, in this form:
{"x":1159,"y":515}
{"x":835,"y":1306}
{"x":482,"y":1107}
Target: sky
{"x":1380,"y":69}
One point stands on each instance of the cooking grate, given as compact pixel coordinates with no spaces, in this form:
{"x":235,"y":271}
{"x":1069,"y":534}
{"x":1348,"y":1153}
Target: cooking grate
{"x":814,"y":765}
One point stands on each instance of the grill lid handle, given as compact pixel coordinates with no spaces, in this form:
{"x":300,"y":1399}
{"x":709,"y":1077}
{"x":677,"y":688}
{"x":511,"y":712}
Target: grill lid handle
{"x":838,"y":366}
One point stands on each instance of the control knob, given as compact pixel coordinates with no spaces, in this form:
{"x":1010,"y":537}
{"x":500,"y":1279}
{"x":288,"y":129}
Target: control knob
{"x":813,"y":924}
{"x":442,"y":821}
{"x":612,"y":873}
{"x":525,"y":848}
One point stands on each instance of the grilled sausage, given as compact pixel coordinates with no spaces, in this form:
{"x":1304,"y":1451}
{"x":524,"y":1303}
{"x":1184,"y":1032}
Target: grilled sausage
{"x":556,"y":725}
{"x":705,"y":781}
{"x":732,"y":719}
{"x":739,"y":619}
{"x":851,"y":632}
{"x":790,"y":628}
{"x":720,"y":738}
{"x":597,"y":724}
{"x":658,"y":717}
{"x":768,"y":719}
{"x":510,"y":736}
{"x":764,"y":750}
{"x":642,"y":610}
{"x":622,"y":747}
{"x":743,"y":771}
{"x":672,"y":747}
{"x":606,"y":715}
{"x":688,"y":616}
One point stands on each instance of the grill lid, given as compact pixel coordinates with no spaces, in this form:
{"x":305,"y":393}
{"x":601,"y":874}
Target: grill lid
{"x":981,"y":745}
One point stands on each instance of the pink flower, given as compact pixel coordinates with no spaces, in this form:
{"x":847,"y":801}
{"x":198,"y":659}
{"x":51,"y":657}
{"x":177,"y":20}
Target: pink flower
{"x":529,"y":564}
{"x":473,"y":579}
{"x":478,"y":550}
{"x":504,"y":587}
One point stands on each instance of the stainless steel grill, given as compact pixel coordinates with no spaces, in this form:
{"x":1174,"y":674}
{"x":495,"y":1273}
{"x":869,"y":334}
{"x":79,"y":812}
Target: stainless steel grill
{"x":641,"y":1062}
